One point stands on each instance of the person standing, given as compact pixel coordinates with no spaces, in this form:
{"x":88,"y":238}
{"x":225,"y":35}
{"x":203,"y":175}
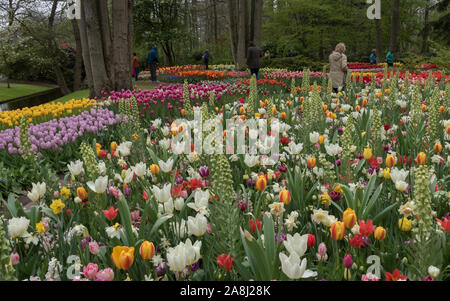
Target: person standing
{"x":291,"y":53}
{"x":153,"y":62}
{"x":373,"y":57}
{"x":135,"y":66}
{"x":205,"y":59}
{"x":390,"y":59}
{"x":338,"y":67}
{"x":253,"y":55}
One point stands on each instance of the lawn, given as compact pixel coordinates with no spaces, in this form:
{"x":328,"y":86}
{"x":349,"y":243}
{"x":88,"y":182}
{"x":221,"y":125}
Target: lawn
{"x":18,"y":90}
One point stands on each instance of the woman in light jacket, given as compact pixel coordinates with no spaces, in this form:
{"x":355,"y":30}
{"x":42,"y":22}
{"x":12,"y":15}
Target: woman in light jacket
{"x":338,"y":67}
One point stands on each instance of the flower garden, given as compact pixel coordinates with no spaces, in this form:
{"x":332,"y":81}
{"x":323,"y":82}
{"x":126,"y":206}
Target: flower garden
{"x":359,"y":190}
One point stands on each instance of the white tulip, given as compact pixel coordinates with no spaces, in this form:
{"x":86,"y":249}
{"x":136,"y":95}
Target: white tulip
{"x":399,"y":174}
{"x":250,"y":160}
{"x":293,"y":268}
{"x":201,"y":202}
{"x":166,"y":166}
{"x":333,"y":149}
{"x":164,"y":143}
{"x":75,"y":168}
{"x":168,"y":206}
{"x":17,"y":226}
{"x":162,"y":195}
{"x":314,"y":137}
{"x":179,"y":203}
{"x":294,"y":149}
{"x":178,"y":148}
{"x":401,"y":186}
{"x":140,"y":169}
{"x":296,"y":244}
{"x":99,"y":186}
{"x":124,"y":149}
{"x":102,"y":168}
{"x":197,"y":226}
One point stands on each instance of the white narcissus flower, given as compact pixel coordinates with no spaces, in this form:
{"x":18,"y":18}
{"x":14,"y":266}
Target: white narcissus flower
{"x":17,"y":227}
{"x":124,"y":149}
{"x":75,"y":168}
{"x":294,"y":268}
{"x":162,"y":195}
{"x":140,"y":169}
{"x":99,"y":186}
{"x":166,"y":166}
{"x":197,"y":225}
{"x":296,"y":244}
{"x":314,"y":137}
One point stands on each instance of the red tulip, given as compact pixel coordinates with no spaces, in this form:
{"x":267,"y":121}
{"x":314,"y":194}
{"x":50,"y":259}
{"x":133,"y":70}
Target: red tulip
{"x":226,"y":261}
{"x":111,"y":213}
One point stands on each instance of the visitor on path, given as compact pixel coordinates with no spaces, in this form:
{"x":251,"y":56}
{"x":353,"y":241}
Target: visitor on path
{"x":267,"y":54}
{"x":205,"y":59}
{"x":390,"y":59}
{"x":373,"y":57}
{"x":253,"y":55}
{"x":291,"y":53}
{"x":153,"y":62}
{"x":135,"y":66}
{"x":338,"y":67}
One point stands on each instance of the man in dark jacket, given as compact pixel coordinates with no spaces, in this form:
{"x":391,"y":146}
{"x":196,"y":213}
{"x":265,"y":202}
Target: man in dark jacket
{"x":205,"y":59}
{"x":253,"y":55}
{"x":153,"y":62}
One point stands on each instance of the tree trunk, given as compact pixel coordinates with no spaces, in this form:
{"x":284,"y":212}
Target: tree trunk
{"x":379,"y":35}
{"x":194,"y":22}
{"x":101,"y":81}
{"x":130,"y":34}
{"x":108,"y":53}
{"x":216,"y":35}
{"x":78,"y":57}
{"x":85,"y":52}
{"x":395,"y":28}
{"x":122,"y":56}
{"x":257,"y":38}
{"x":241,"y":50}
{"x":234,"y":35}
{"x":426,"y":29}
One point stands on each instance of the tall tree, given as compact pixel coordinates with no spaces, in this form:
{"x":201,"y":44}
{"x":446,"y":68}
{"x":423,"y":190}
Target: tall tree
{"x":395,"y":27}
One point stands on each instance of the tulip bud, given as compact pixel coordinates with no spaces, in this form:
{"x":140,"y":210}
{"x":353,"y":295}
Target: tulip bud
{"x":311,"y":240}
{"x":312,"y":162}
{"x":82,"y":193}
{"x":321,"y":139}
{"x":147,"y":250}
{"x":380,"y":233}
{"x":15,"y":258}
{"x":348,"y":261}
{"x":390,"y":161}
{"x":349,"y":218}
{"x":285,"y":196}
{"x":367,"y":153}
{"x":438,"y":148}
{"x":421,"y":158}
{"x":404,"y":224}
{"x":261,"y":183}
{"x":154,"y":169}
{"x":337,"y":230}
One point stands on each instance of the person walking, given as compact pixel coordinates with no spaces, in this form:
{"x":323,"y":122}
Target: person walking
{"x":205,"y":59}
{"x":153,"y":62}
{"x":253,"y":55}
{"x":373,"y":57}
{"x":390,"y":59}
{"x":338,"y":67}
{"x":135,"y":66}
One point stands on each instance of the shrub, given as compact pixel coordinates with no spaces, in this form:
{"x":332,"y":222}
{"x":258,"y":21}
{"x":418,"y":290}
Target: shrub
{"x":296,"y":63}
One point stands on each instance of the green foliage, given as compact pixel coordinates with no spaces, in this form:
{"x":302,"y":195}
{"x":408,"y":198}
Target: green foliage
{"x":292,"y":63}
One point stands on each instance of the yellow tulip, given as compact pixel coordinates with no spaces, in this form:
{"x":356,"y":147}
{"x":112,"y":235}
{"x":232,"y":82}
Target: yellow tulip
{"x":367,"y":153}
{"x":404,"y":224}
{"x":147,"y":250}
{"x":123,"y":257}
{"x":380,"y":233}
{"x":285,"y":196}
{"x":337,"y":230}
{"x":349,"y":218}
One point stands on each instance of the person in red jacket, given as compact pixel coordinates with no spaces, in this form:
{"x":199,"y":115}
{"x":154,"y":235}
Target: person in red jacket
{"x":135,"y":66}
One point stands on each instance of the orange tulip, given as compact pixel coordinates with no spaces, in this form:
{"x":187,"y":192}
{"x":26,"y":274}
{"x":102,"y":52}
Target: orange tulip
{"x":312,"y":162}
{"x":337,"y":231}
{"x":424,"y":108}
{"x":261,"y":183}
{"x":349,"y":218}
{"x":438,"y":148}
{"x":421,"y":158}
{"x":390,"y":161}
{"x":283,"y":115}
{"x":154,"y":169}
{"x":321,"y":139}
{"x":285,"y":196}
{"x":147,"y":250}
{"x":183,"y":112}
{"x":123,"y":257}
{"x":82,"y":193}
{"x":113,"y":146}
{"x":442,"y":109}
{"x":447,"y":129}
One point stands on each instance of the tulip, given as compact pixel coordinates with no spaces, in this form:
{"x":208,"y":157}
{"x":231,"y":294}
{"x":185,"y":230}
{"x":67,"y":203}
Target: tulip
{"x":113,"y":146}
{"x":203,"y":171}
{"x":296,"y":244}
{"x":337,"y":230}
{"x":295,"y":268}
{"x":111,"y":213}
{"x":390,"y":161}
{"x":380,"y":233}
{"x":348,"y":261}
{"x":312,"y":162}
{"x":82,"y":193}
{"x":367,"y":153}
{"x":445,"y":224}
{"x":197,"y":225}
{"x":447,"y":129}
{"x":99,"y":186}
{"x":421,"y":158}
{"x":105,"y":275}
{"x":226,"y":261}
{"x":90,"y":271}
{"x":366,"y":229}
{"x":404,"y":224}
{"x":322,"y":255}
{"x":123,"y":257}
{"x":321,"y":139}
{"x":15,"y":258}
{"x":94,"y":248}
{"x":311,"y":240}
{"x":285,"y":196}
{"x":437,"y":148}
{"x":154,"y":169}
{"x":254,"y":224}
{"x":349,"y":218}
{"x":147,"y":250}
{"x":261,"y":183}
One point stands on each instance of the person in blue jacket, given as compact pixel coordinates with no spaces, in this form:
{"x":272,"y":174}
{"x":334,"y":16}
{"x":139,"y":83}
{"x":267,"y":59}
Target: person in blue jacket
{"x":373,"y":57}
{"x":390,"y":59}
{"x":153,"y":62}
